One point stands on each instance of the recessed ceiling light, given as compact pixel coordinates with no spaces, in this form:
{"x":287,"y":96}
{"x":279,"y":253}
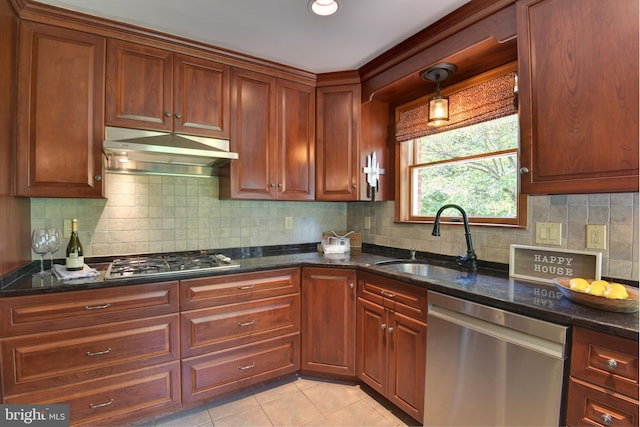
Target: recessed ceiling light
{"x":323,"y":7}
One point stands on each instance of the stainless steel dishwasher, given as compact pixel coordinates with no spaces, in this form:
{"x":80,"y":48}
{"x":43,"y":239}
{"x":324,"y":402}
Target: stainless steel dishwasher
{"x":490,"y":367}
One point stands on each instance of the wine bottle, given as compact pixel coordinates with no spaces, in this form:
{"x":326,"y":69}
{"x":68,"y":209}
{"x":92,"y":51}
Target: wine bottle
{"x":75,"y":254}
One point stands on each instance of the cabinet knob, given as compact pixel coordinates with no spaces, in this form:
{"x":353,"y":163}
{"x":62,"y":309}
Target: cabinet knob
{"x":390,"y":329}
{"x":98,"y":177}
{"x":167,"y":113}
{"x":606,"y":419}
{"x":612,"y":364}
{"x":273,"y":185}
{"x":351,"y":286}
{"x":178,"y":115}
{"x":383,"y":326}
{"x":279,"y":185}
{"x":524,"y":170}
{"x":354,"y":186}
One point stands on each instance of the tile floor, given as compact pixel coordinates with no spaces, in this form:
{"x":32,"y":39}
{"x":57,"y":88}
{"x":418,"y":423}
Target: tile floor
{"x":296,"y":401}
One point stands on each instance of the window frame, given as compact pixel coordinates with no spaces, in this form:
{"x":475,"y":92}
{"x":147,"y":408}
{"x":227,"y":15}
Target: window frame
{"x":406,"y":155}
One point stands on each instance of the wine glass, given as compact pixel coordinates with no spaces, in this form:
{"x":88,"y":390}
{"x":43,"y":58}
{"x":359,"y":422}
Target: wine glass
{"x":40,"y":245}
{"x":54,"y":242}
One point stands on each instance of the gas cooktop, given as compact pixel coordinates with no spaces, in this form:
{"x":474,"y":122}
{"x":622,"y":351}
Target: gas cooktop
{"x":155,"y":265}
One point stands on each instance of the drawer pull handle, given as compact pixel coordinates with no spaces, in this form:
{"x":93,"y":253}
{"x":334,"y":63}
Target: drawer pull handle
{"x":387,"y":294}
{"x":97,"y":307}
{"x":612,"y":364}
{"x":247,"y":323}
{"x":98,"y":353}
{"x":245,"y":287}
{"x":606,"y":419}
{"x":244,"y":368}
{"x":100,"y":405}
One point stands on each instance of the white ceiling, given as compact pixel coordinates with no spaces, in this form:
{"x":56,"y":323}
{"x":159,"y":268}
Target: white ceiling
{"x":283,"y":31}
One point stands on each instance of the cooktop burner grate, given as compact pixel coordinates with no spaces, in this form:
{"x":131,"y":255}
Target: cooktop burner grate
{"x":166,"y":264}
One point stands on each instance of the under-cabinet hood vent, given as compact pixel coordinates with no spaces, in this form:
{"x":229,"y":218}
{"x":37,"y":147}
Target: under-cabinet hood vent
{"x":164,"y":153}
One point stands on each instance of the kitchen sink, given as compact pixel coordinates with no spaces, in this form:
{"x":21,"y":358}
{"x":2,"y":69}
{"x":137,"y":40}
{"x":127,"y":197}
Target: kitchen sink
{"x":405,"y":266}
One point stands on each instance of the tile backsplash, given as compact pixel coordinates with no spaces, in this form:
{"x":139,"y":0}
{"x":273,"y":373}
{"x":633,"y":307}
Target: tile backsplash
{"x":146,"y":214}
{"x":619,"y":212}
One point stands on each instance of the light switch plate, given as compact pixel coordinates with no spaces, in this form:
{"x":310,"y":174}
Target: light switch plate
{"x":549,"y":233}
{"x":367,"y":222}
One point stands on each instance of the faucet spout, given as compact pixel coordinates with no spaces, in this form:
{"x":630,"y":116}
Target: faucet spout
{"x":470,"y":260}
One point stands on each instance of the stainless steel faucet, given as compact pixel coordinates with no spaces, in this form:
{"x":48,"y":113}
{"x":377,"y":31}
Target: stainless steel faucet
{"x":470,"y":260}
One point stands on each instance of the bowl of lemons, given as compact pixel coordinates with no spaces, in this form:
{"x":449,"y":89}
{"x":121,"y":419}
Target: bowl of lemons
{"x":599,"y":294}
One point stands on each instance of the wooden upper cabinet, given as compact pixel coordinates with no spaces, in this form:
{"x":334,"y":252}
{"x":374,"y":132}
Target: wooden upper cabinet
{"x":273,"y":129}
{"x":337,"y":171}
{"x":151,"y":88}
{"x":60,"y":108}
{"x":578,"y":87}
{"x":296,"y":116}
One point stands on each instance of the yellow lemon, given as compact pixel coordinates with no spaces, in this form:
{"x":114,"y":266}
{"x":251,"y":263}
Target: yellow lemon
{"x":578,"y":284}
{"x":597,"y":287}
{"x":616,"y":291}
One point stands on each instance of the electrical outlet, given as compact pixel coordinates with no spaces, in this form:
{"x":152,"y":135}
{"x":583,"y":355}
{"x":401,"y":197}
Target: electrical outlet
{"x":596,"y":236}
{"x":367,"y":223}
{"x":288,"y":222}
{"x":66,"y":233}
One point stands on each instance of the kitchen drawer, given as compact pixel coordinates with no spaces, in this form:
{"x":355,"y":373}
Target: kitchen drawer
{"x":605,"y":360}
{"x":50,"y":312}
{"x":211,"y":291}
{"x":397,"y":296}
{"x":213,"y":329}
{"x":116,"y":399}
{"x":597,"y":406}
{"x":33,"y":362}
{"x":207,"y":376}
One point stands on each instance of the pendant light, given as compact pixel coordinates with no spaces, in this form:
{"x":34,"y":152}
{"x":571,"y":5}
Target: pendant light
{"x":438,"y":105}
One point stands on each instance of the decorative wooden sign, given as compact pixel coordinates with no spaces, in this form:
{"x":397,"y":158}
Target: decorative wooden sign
{"x":543,"y":264}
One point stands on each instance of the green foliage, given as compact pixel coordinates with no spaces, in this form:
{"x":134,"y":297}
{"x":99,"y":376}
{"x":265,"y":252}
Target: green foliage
{"x":485,"y":186}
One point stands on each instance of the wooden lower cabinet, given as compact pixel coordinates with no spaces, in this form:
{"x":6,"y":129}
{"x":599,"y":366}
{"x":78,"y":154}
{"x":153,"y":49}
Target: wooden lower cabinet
{"x":603,"y":387}
{"x":210,"y":375}
{"x":112,"y":354}
{"x":238,"y":330}
{"x":328,"y":322}
{"x":392,"y":341}
{"x":143,"y":393}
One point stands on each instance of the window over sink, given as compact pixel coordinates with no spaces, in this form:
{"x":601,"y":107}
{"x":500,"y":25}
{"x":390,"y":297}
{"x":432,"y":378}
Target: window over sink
{"x":471,"y":161}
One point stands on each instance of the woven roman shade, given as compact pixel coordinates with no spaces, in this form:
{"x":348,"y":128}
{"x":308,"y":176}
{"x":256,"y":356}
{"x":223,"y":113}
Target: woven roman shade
{"x":486,"y":101}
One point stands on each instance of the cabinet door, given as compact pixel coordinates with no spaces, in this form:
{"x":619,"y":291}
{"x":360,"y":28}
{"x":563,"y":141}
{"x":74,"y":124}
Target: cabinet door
{"x":60,"y":108}
{"x":407,"y":342}
{"x":296,"y":141}
{"x":328,"y":321}
{"x":338,"y":111}
{"x":201,"y":97}
{"x":578,"y":82}
{"x":372,"y":345}
{"x":139,"y":84}
{"x":253,"y":175}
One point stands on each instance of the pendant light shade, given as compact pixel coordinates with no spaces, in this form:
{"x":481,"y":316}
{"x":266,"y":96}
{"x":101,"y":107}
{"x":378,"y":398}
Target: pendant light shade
{"x":438,"y":105}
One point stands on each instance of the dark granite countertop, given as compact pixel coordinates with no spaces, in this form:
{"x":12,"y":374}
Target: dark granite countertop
{"x":488,"y":286}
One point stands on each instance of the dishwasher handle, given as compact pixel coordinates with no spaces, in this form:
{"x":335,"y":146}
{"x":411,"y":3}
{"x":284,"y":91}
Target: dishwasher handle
{"x":519,"y":338}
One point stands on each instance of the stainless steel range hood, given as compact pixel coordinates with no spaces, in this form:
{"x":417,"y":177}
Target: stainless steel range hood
{"x":164,"y":153}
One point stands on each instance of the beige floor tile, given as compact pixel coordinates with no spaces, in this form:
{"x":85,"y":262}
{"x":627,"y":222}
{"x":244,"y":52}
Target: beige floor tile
{"x":232,"y":405}
{"x":389,"y":411}
{"x":190,"y":418}
{"x":329,"y":397}
{"x":291,"y":410}
{"x":304,"y":383}
{"x":357,"y":414}
{"x":253,"y":417}
{"x":275,"y":391}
